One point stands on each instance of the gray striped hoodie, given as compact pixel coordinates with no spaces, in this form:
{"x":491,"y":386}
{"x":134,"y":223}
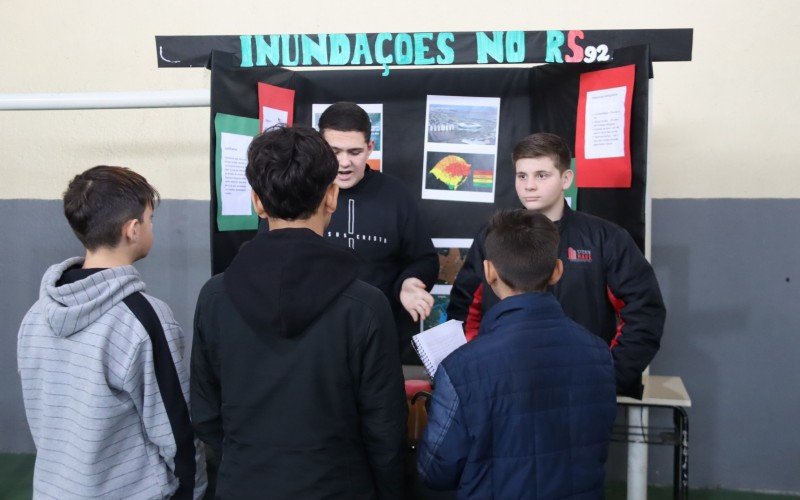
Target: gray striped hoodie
{"x":91,"y":396}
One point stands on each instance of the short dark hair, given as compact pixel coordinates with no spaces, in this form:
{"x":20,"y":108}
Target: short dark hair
{"x":523,"y":246}
{"x":98,"y":202}
{"x":289,"y":168}
{"x":346,"y":116}
{"x":544,"y":145}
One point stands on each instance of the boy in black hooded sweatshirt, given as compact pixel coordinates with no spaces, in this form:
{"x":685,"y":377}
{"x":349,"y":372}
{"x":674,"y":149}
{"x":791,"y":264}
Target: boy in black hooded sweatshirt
{"x":296,"y":380}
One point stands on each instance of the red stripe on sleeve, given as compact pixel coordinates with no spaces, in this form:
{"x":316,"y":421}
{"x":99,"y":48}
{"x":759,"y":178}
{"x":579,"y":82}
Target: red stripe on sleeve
{"x":473,"y":321}
{"x":617,"y":304}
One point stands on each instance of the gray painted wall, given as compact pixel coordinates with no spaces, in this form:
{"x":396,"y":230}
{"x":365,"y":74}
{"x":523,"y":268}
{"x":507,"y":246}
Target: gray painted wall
{"x":729,"y":271}
{"x":36,"y":235}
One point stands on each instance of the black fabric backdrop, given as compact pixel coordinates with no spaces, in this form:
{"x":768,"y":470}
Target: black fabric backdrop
{"x":539,"y":99}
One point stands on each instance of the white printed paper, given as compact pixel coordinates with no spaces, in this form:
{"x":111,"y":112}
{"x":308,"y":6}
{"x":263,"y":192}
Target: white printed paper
{"x":273,"y":116}
{"x":234,"y":188}
{"x":605,"y":123}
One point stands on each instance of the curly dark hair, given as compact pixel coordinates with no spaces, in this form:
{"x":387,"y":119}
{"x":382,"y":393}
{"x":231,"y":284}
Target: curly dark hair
{"x":290,"y":168}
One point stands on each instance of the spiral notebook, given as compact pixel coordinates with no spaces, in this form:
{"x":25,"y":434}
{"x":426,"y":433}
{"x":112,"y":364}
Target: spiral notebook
{"x":435,"y":344}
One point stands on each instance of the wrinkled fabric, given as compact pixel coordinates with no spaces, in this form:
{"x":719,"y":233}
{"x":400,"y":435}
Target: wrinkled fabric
{"x":608,"y":287}
{"x":91,"y":397}
{"x":296,"y":380}
{"x":523,"y":411}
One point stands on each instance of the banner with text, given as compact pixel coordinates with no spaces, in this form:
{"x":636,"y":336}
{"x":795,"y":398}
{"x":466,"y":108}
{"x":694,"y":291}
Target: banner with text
{"x":423,"y":48}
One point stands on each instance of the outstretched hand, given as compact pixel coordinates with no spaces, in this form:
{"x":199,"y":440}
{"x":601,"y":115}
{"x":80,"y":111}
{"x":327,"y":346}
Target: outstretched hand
{"x":415,"y":299}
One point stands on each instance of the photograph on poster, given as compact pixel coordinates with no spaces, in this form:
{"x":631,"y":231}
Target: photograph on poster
{"x":460,"y":175}
{"x":462,"y":124}
{"x":376,"y":119}
{"x":460,"y":148}
{"x":452,"y":253}
{"x":375,"y":113}
{"x":441,"y":298}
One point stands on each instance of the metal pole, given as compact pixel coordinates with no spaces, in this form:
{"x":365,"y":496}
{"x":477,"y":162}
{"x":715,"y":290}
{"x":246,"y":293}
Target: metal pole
{"x":198,"y":98}
{"x":637,"y":451}
{"x":638,"y":418}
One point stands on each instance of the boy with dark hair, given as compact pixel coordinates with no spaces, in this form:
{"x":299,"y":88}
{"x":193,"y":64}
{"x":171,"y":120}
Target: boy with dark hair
{"x":608,"y":286}
{"x":526,"y":409}
{"x":378,"y":218}
{"x":296,"y":379}
{"x":101,"y":363}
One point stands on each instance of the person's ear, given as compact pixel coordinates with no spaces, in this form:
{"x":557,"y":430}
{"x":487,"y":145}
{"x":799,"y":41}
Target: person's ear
{"x":262,"y":214}
{"x":370,"y":147}
{"x":130,"y":230}
{"x":566,"y":178}
{"x":331,"y":198}
{"x":490,"y":272}
{"x":558,"y":271}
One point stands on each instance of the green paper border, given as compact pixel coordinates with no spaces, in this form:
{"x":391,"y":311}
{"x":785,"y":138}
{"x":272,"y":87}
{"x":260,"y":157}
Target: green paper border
{"x":241,"y":125}
{"x":572,"y":190}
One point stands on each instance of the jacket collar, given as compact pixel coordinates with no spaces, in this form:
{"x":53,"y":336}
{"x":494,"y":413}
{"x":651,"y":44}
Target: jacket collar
{"x":282,"y":280}
{"x":369,"y":176}
{"x":540,"y":305}
{"x":566,"y":215}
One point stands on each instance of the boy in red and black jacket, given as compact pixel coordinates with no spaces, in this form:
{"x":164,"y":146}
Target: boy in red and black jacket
{"x":608,"y":286}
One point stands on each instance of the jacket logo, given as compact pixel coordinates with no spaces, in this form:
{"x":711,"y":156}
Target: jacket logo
{"x":578,"y":255}
{"x":351,"y":234}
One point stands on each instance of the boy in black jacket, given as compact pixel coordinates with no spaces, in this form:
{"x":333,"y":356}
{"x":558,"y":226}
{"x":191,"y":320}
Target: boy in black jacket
{"x":295,"y":372}
{"x":378,"y":218}
{"x":608,"y":286}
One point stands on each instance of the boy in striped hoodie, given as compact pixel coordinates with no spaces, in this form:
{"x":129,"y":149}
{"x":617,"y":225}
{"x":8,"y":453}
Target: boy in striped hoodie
{"x":101,"y":363}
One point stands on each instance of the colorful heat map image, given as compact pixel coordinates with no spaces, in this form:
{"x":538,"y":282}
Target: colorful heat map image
{"x":460,"y":172}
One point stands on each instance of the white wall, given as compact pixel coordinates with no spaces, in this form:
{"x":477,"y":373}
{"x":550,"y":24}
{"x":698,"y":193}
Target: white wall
{"x":723,"y":124}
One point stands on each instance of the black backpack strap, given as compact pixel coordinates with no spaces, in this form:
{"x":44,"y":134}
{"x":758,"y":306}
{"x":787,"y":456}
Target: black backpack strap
{"x":171,"y":394}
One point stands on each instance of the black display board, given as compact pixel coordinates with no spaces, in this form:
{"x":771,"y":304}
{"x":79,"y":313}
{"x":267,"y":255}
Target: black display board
{"x":535,"y":99}
{"x":554,"y":94}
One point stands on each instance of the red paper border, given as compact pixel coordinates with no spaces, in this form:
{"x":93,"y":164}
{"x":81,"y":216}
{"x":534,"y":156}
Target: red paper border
{"x":604,"y":172}
{"x":275,"y":97}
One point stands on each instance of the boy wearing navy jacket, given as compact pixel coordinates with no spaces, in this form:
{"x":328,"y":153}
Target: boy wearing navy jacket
{"x":526,"y":409}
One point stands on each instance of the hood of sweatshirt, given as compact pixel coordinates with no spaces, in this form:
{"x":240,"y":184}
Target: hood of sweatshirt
{"x":282,"y":280}
{"x":71,"y":307}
